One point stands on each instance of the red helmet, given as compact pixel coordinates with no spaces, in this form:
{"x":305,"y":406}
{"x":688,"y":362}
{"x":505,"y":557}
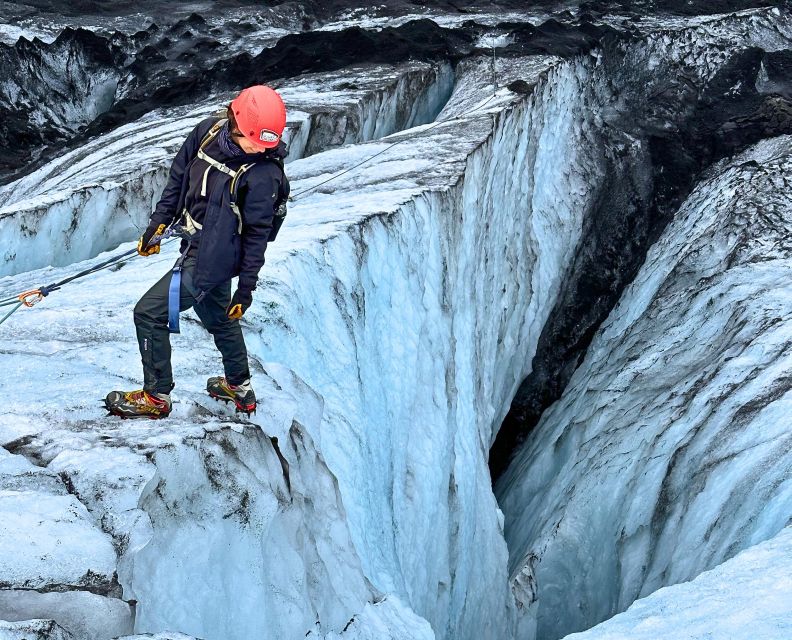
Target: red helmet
{"x":260,"y":115}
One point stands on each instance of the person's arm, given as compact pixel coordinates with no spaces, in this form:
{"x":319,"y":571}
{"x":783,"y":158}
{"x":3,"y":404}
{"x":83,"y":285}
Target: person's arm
{"x":280,"y":208}
{"x":257,"y":203}
{"x":165,"y":211}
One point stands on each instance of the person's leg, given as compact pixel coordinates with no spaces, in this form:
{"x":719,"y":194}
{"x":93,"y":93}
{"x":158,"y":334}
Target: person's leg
{"x":227,"y":333}
{"x":151,"y":324}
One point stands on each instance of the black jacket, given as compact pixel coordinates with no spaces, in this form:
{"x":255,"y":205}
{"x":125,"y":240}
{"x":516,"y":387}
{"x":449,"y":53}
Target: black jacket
{"x":222,"y":252}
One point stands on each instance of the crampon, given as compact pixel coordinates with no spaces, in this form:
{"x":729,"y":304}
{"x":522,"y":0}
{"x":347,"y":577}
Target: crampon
{"x":241,"y":395}
{"x":138,"y":404}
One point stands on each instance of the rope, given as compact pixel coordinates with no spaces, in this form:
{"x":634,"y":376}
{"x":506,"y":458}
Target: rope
{"x":8,"y":315}
{"x":390,"y":146}
{"x":33,"y":296}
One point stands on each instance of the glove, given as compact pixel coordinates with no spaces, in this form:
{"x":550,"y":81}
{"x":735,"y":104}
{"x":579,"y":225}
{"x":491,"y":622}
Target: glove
{"x":239,"y":304}
{"x":153,"y":232}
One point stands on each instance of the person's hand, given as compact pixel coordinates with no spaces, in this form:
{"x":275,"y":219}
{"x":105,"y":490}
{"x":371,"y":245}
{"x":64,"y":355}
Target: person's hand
{"x":239,"y":304}
{"x":153,"y":232}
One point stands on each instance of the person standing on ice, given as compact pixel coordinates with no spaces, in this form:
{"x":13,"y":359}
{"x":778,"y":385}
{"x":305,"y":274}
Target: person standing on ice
{"x":226,"y":194}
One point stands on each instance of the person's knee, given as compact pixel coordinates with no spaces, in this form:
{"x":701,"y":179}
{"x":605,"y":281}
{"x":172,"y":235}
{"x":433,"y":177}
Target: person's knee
{"x":222,"y":327}
{"x":145,"y":314}
{"x":215,"y":321}
{"x":139,"y":313}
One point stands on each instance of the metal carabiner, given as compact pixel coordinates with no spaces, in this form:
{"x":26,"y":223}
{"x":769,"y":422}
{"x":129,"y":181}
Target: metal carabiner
{"x":35,"y":294}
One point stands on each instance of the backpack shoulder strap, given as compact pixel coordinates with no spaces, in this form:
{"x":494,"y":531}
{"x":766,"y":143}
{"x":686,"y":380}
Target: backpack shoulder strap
{"x":234,"y":187}
{"x":212,"y":133}
{"x":235,"y":179}
{"x":245,"y":167}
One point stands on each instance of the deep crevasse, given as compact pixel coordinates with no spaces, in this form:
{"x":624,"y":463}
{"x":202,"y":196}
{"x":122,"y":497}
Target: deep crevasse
{"x":416,"y":274}
{"x":706,"y":607}
{"x":416,"y":327}
{"x":669,"y":451}
{"x":410,"y":295}
{"x":591,"y":502}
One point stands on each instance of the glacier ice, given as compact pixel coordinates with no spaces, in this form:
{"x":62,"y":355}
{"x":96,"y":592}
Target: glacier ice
{"x":745,"y":597}
{"x":93,"y":198}
{"x":669,"y":451}
{"x":665,"y":106}
{"x":338,"y":291}
{"x":85,"y":615}
{"x":397,"y":315}
{"x":158,"y":636}
{"x":35,"y":629}
{"x":63,"y":546}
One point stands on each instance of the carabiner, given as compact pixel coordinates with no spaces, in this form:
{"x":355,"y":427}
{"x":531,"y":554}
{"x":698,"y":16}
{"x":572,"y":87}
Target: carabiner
{"x":35,"y":294}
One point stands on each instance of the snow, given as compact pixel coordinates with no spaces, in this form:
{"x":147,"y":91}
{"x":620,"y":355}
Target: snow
{"x":62,"y":545}
{"x":206,"y":502}
{"x":266,"y":25}
{"x":368,"y":19}
{"x":10,"y":33}
{"x":745,"y":597}
{"x":62,"y":565}
{"x":387,"y":619}
{"x":33,"y":630}
{"x":83,"y":615}
{"x":678,"y":415}
{"x":158,"y":636}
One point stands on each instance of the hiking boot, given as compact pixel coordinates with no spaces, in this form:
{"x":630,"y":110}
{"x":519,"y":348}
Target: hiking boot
{"x":138,"y":404}
{"x":240,"y":394}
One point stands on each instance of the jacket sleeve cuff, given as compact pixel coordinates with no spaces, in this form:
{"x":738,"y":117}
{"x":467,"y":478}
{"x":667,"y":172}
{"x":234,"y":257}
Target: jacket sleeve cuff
{"x":246,"y":285}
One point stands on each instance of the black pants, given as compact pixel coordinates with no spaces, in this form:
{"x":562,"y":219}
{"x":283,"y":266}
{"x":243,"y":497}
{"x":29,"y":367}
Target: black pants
{"x":151,"y":323}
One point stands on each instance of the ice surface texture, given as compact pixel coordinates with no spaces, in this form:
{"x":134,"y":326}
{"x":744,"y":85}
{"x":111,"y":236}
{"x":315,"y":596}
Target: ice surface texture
{"x":745,"y":597}
{"x":95,"y":197}
{"x":209,"y":535}
{"x":669,"y":452}
{"x":404,"y":302}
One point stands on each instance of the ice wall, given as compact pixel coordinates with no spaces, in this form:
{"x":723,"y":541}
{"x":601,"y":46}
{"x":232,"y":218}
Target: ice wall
{"x":404,"y":294}
{"x":747,"y":596}
{"x":669,"y":451}
{"x":93,"y":198}
{"x":64,"y":86}
{"x":415,"y":318}
{"x":362,"y":103}
{"x":666,"y":105}
{"x":410,"y":295}
{"x":207,"y":525}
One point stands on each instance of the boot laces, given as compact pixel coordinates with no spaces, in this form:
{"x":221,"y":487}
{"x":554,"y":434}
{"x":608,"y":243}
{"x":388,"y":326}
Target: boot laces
{"x":244,"y":387}
{"x":144,"y":398}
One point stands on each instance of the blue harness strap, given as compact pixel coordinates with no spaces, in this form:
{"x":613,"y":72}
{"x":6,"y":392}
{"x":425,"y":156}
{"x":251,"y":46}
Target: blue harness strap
{"x":173,"y":299}
{"x":174,"y":293}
